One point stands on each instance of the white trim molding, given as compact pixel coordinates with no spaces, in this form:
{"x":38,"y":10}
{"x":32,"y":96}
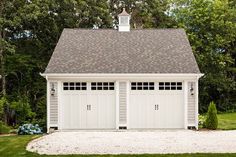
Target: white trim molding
{"x":185,"y":88}
{"x":120,"y":75}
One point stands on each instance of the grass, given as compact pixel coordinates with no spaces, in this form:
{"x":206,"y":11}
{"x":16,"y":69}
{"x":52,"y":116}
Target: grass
{"x":227,"y":121}
{"x":14,"y":146}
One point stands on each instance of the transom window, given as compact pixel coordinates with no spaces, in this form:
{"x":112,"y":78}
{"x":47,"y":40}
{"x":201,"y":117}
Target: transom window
{"x":102,"y":86}
{"x":170,"y":85}
{"x":142,"y":85}
{"x":75,"y":86}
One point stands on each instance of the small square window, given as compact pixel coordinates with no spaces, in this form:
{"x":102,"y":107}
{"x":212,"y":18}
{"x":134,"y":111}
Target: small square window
{"x":145,"y":83}
{"x":77,"y":88}
{"x":84,"y":88}
{"x":93,"y":88}
{"x":161,"y":88}
{"x":111,"y":88}
{"x":105,"y":84}
{"x":72,"y":83}
{"x":105,"y":88}
{"x":167,"y":88}
{"x":140,"y":88}
{"x":111,"y":84}
{"x":167,"y":83}
{"x":93,"y":84}
{"x":151,"y":88}
{"x":161,"y":83}
{"x":65,"y":88}
{"x":99,"y":83}
{"x":65,"y":83}
{"x":179,"y":88}
{"x":133,"y":84}
{"x":139,"y":83}
{"x":133,"y":88}
{"x":173,"y":83}
{"x":72,"y":88}
{"x":145,"y":87}
{"x":151,"y":83}
{"x":179,"y":83}
{"x":77,"y":84}
{"x":99,"y":88}
{"x":84,"y":83}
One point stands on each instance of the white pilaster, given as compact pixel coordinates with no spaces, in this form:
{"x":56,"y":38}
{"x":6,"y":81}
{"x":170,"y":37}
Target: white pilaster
{"x":185,"y":104}
{"x":196,"y":104}
{"x":48,"y":104}
{"x":117,"y":104}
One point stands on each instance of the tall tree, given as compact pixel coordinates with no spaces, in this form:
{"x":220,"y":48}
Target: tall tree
{"x":145,"y":13}
{"x":211,"y":29}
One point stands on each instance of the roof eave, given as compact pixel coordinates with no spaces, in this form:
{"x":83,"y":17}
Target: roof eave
{"x":197,"y":75}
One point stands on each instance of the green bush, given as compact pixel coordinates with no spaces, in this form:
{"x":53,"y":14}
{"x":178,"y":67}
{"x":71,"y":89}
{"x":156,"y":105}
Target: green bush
{"x":211,"y":119}
{"x":4,"y":129}
{"x":202,"y":121}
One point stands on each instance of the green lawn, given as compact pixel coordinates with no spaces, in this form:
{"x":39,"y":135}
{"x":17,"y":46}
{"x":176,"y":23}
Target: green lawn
{"x":14,"y":146}
{"x":227,"y":121}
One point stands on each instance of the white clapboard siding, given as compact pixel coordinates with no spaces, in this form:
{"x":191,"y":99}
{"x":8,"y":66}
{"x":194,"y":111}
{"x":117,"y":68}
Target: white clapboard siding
{"x":53,"y":105}
{"x":122,"y":103}
{"x":191,"y":104}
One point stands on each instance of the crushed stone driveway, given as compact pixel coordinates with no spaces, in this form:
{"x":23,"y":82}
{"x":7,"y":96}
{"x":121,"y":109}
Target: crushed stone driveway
{"x":135,"y":142}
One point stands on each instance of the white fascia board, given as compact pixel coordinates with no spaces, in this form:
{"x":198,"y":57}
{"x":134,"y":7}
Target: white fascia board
{"x":120,"y":75}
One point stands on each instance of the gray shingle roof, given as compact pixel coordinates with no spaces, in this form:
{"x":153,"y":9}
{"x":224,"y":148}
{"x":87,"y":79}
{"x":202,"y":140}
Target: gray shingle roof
{"x":110,"y":51}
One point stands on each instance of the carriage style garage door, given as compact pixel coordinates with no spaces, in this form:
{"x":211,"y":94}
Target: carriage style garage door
{"x":156,"y":105}
{"x":88,"y":105}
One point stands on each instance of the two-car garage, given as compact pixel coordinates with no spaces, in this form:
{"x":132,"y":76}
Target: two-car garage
{"x":149,"y":105}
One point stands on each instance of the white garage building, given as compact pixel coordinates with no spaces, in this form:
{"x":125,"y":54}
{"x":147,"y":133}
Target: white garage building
{"x":122,"y":79}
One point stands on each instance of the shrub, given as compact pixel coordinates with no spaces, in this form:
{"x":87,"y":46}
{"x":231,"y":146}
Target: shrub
{"x":4,"y":129}
{"x":202,"y":121}
{"x":29,"y":129}
{"x":211,"y":119}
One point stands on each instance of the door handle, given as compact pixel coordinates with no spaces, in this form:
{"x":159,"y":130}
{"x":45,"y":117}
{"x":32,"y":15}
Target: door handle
{"x":88,"y":107}
{"x":156,"y":107}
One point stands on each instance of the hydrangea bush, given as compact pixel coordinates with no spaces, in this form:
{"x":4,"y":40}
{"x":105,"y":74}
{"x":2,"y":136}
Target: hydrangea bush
{"x":29,"y":129}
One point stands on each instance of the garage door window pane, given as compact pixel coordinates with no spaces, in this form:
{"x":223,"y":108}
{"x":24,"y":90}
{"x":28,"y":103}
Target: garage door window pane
{"x":74,"y":86}
{"x":173,"y":85}
{"x":179,"y":85}
{"x":170,"y":85}
{"x":142,"y":86}
{"x":102,"y":86}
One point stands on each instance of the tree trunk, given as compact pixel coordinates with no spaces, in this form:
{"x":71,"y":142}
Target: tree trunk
{"x":3,"y":76}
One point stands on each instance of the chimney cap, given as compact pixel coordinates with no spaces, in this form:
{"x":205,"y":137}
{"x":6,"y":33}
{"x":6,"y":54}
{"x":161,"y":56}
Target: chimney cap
{"x":124,"y":13}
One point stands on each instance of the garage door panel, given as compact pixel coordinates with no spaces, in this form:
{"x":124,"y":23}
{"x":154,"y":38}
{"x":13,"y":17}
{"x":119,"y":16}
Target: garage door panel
{"x":76,"y":114}
{"x":169,"y":114}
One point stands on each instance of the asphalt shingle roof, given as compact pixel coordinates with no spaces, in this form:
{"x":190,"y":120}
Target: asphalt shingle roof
{"x":110,"y":51}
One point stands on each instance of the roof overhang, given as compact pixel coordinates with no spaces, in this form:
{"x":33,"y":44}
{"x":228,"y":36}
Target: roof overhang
{"x":120,"y":75}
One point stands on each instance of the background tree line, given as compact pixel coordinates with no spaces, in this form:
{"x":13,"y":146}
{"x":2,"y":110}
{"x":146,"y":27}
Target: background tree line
{"x":29,"y":30}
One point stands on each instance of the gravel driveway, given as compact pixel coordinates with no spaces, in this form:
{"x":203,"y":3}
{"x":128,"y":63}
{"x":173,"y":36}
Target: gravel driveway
{"x":135,"y":142}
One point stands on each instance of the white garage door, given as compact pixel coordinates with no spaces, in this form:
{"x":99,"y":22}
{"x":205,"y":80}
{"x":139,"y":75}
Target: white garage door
{"x":156,"y":105}
{"x":88,"y":105}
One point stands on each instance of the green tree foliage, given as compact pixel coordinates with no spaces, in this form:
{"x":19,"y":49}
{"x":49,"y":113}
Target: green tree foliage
{"x":211,"y":29}
{"x":30,"y":29}
{"x":211,"y":119}
{"x":145,"y":13}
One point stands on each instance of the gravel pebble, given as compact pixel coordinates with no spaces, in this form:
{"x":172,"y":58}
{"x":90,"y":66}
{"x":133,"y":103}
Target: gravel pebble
{"x":135,"y":142}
